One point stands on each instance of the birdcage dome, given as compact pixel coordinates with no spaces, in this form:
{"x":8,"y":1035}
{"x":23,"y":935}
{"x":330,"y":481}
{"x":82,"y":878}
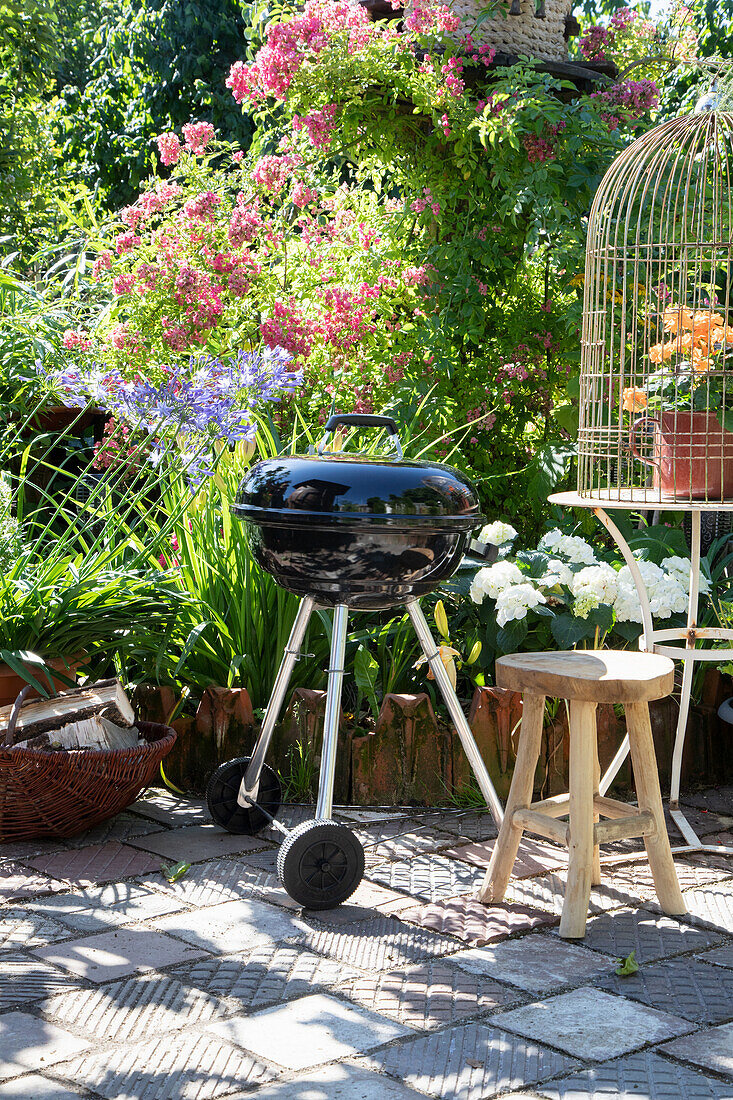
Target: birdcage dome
{"x":656,"y":388}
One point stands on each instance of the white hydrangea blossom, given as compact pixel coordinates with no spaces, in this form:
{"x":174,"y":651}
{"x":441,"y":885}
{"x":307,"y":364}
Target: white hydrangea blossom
{"x":680,"y":567}
{"x":497,"y":534}
{"x":668,"y":592}
{"x":493,"y":579}
{"x":572,"y":547}
{"x":557,"y":572}
{"x":593,"y":586}
{"x":515,"y":601}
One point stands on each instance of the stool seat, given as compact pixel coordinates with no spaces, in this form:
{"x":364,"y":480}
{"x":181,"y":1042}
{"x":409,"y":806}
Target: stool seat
{"x":595,"y":676}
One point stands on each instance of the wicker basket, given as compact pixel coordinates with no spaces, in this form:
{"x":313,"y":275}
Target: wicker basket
{"x":535,"y":28}
{"x":64,"y":793}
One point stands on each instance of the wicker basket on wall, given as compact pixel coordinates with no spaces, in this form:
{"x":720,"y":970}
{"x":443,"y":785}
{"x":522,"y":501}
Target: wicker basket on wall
{"x":533,"y":28}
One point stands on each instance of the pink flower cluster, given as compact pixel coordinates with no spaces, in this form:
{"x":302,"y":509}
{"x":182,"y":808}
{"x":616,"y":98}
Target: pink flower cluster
{"x":319,"y":124}
{"x":102,"y":263}
{"x":303,"y":195}
{"x":428,"y":199}
{"x":202,"y":207}
{"x":630,"y":100}
{"x":540,"y":149}
{"x":289,"y":328}
{"x":598,"y":39}
{"x":426,"y":17}
{"x":74,"y":340}
{"x":198,"y":135}
{"x":169,"y":147}
{"x":290,"y":44}
{"x":273,"y":172}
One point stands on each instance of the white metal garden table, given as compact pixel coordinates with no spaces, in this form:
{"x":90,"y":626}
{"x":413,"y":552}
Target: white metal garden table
{"x":658,"y":641}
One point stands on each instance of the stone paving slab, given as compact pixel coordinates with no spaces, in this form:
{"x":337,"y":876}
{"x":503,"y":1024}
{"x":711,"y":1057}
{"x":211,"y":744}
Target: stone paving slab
{"x":369,"y":900}
{"x":27,"y":1043}
{"x":706,"y":822}
{"x":307,"y":1032}
{"x":717,"y":800}
{"x":390,"y":842}
{"x":685,"y":987}
{"x":33,"y":1086}
{"x":366,"y":815}
{"x":338,"y":1082}
{"x":548,"y":892}
{"x":378,"y":944}
{"x":471,"y":1061}
{"x":591,"y":1024}
{"x":269,"y":974}
{"x":96,"y":908}
{"x":214,"y":881}
{"x":476,"y":923}
{"x":537,"y":964}
{"x":169,"y":809}
{"x":134,"y":1009}
{"x":643,"y":1076}
{"x":190,"y":1066}
{"x":21,"y":928}
{"x":95,"y":864}
{"x":24,"y":979}
{"x":17,"y":882}
{"x":427,"y":877}
{"x":721,"y":956}
{"x":111,"y":955}
{"x":265,"y":860}
{"x":121,"y":828}
{"x":637,"y":877}
{"x":231,"y":926}
{"x":469,"y":824}
{"x":651,"y":935}
{"x":196,"y":843}
{"x":533,"y":858}
{"x":711,"y":906}
{"x":430,"y":995}
{"x":711,"y":1049}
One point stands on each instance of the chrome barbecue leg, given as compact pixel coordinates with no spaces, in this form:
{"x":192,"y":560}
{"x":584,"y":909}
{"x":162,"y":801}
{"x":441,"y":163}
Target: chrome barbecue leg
{"x":463,"y":729}
{"x":249,"y":787}
{"x":333,"y":712}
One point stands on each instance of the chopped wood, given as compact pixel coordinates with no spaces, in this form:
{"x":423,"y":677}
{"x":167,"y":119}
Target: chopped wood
{"x":89,"y":733}
{"x":105,"y":699}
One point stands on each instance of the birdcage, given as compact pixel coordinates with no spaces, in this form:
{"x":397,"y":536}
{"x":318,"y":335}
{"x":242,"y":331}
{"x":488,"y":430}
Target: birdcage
{"x":656,"y":395}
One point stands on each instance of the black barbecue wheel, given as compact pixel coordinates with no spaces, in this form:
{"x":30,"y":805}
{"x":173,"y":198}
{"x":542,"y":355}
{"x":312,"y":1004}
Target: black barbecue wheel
{"x":320,"y":864}
{"x":221,"y":796}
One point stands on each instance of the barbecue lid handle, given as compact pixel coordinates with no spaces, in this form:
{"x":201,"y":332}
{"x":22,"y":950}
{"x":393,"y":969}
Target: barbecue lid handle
{"x":362,"y":420}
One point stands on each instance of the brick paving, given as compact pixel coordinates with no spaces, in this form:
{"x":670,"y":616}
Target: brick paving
{"x":115,"y":983}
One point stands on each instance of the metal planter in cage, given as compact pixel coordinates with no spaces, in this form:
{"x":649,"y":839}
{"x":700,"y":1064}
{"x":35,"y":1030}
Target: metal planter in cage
{"x":656,"y":416}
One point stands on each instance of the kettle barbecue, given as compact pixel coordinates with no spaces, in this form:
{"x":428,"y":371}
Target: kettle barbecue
{"x":351,"y":532}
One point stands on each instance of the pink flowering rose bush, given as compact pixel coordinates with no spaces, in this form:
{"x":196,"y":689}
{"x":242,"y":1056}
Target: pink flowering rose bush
{"x":407,"y":233}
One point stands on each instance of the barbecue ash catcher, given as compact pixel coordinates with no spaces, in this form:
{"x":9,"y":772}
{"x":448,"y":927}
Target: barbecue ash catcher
{"x":351,"y":532}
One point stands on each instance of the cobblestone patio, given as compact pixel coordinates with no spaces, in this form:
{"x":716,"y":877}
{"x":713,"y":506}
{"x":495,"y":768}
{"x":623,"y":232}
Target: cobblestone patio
{"x":116,"y":983}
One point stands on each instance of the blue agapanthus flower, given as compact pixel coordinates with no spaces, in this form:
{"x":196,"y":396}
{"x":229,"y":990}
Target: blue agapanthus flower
{"x":210,"y":401}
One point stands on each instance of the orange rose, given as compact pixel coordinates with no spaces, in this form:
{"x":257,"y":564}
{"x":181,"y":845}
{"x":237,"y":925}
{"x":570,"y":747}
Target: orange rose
{"x":676,"y":317}
{"x":635,"y":400}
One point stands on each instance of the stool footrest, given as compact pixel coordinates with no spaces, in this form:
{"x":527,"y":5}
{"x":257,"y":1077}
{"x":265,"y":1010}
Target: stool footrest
{"x":557,"y":806}
{"x":638,"y":824}
{"x":542,"y":824}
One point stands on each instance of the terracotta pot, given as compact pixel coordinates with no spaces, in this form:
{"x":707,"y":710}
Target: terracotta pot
{"x":11,"y":684}
{"x":692,"y":455}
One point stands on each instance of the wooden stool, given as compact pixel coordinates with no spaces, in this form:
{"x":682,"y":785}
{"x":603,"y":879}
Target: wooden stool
{"x":585,"y":678}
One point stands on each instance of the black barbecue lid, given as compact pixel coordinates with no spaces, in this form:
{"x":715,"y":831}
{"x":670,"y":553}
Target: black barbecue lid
{"x":356,"y":487}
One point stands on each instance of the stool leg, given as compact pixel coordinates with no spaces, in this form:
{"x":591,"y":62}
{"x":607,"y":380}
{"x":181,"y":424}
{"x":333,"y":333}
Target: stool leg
{"x":595,"y":877}
{"x":502,"y":859}
{"x":580,"y":854}
{"x":649,"y":797}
